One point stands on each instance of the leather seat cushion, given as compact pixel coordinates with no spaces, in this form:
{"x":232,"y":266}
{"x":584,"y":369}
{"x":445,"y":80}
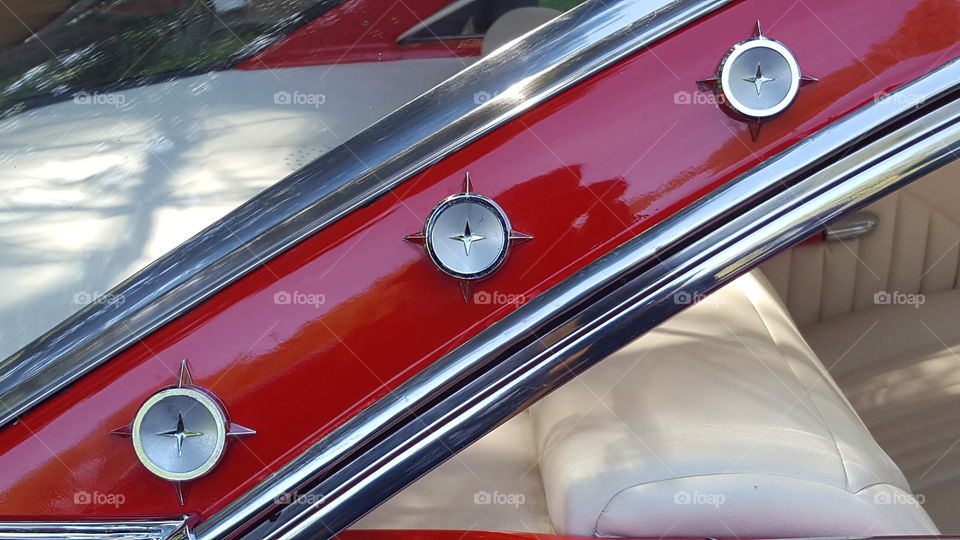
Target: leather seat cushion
{"x":491,"y":485}
{"x":722,"y":422}
{"x":899,"y":366}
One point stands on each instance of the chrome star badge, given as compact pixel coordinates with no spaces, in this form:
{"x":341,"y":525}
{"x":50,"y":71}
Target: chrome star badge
{"x":180,"y":433}
{"x":757,"y":79}
{"x":467,"y":236}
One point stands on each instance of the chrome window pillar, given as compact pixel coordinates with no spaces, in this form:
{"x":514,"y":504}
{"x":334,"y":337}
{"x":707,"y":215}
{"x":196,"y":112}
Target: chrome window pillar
{"x":555,"y":56}
{"x":480,"y":384}
{"x":503,"y":369}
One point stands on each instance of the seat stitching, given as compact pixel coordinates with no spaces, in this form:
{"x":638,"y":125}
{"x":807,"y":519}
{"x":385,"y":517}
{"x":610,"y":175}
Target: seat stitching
{"x":924,"y":271}
{"x":893,"y":240}
{"x":806,"y":392}
{"x":822,"y":280}
{"x":596,"y":528}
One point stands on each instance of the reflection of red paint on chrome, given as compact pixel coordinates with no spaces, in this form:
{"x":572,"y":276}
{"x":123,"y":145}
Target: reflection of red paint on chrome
{"x":360,"y":31}
{"x":298,"y":346}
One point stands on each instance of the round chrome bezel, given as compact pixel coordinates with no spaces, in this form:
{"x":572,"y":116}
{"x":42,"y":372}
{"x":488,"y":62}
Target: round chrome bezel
{"x":736,"y":52}
{"x":203,"y":400}
{"x":467,"y":198}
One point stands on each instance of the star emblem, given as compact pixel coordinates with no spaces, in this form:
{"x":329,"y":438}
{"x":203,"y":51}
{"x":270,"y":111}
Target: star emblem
{"x":758,"y":80}
{"x":776,"y":59}
{"x":180,"y":434}
{"x":467,"y":237}
{"x":479,"y":225}
{"x":186,"y":399}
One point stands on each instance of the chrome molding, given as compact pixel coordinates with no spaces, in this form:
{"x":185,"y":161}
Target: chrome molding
{"x":618,"y":318}
{"x":696,"y":250}
{"x":539,"y":65}
{"x":70,"y":530}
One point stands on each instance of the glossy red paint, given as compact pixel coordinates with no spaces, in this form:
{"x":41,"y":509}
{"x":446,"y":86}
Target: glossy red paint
{"x":360,"y":31}
{"x":583,"y":172}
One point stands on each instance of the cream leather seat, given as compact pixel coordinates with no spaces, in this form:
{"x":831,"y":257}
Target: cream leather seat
{"x":900,"y":367}
{"x":493,"y":485}
{"x":722,"y":422}
{"x":858,"y":305}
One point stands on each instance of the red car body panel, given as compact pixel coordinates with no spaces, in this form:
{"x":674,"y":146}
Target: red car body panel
{"x":582,"y":173}
{"x":360,"y":31}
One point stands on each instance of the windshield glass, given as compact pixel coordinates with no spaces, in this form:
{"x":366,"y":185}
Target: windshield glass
{"x":128,"y":126}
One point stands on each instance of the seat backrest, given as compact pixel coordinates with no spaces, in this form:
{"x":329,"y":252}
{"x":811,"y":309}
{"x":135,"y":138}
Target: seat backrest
{"x":721,"y":422}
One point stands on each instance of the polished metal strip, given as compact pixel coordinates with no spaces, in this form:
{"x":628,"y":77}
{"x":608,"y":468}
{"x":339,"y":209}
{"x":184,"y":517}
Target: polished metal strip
{"x":535,"y":316}
{"x":560,"y":53}
{"x":732,"y":246}
{"x":70,"y":530}
{"x":574,"y":46}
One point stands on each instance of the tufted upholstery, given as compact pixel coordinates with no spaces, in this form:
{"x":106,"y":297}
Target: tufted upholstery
{"x":900,"y":367}
{"x":914,"y":249}
{"x":898,"y":363}
{"x":721,"y":422}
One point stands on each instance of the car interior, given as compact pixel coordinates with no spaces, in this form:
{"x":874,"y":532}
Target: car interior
{"x":817,"y":395}
{"x":814,"y":396}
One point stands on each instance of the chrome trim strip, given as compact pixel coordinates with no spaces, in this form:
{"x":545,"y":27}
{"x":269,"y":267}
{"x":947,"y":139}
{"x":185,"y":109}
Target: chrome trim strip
{"x":557,"y":55}
{"x":125,"y":530}
{"x":618,"y":317}
{"x":542,"y":316}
